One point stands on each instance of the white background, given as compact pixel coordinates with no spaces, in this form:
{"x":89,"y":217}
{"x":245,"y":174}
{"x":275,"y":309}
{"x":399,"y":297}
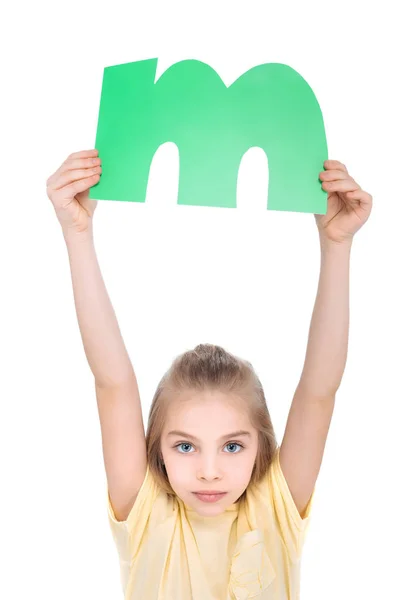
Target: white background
{"x":245,"y":279}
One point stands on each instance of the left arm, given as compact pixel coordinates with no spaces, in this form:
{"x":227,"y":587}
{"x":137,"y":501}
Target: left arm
{"x":326,"y":353}
{"x":312,"y":406}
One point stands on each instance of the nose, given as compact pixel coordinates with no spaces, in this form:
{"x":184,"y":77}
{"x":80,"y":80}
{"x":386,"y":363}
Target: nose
{"x":209,"y":470}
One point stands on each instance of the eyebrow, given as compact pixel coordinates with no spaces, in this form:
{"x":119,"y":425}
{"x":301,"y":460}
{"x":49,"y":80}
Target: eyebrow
{"x":223,"y":437}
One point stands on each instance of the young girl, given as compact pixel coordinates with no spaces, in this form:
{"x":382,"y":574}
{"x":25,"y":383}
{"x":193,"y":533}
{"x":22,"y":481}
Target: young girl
{"x":206,"y":505}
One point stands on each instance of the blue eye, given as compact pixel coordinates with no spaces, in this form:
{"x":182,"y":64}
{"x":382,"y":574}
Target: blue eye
{"x":229,"y":444}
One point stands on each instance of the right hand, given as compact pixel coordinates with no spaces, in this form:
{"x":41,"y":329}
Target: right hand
{"x":68,"y":190}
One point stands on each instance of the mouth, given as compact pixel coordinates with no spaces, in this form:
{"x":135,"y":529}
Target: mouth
{"x":209,"y":496}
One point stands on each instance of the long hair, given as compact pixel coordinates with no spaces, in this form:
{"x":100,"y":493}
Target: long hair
{"x":206,"y":368}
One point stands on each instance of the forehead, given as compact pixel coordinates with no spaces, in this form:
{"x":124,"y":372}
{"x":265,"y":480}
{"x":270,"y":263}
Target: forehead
{"x":210,"y":409}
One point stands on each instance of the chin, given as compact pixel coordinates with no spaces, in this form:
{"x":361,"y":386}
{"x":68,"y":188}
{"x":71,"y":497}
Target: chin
{"x":210,"y":509}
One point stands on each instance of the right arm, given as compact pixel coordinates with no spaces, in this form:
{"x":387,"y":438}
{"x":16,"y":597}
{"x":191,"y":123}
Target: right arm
{"x":101,"y":336}
{"x":117,"y":393}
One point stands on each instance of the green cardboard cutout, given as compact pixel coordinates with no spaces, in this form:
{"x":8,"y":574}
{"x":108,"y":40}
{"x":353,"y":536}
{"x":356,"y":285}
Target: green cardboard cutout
{"x":270,"y":106}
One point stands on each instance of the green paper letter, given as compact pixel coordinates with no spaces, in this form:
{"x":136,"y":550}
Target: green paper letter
{"x":270,"y":106}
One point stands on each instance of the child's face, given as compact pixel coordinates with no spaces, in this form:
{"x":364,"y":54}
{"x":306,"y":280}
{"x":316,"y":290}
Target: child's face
{"x":208,"y":461}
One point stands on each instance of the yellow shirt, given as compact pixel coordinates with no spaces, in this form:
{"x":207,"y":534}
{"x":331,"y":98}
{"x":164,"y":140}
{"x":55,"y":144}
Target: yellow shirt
{"x":252,"y":550}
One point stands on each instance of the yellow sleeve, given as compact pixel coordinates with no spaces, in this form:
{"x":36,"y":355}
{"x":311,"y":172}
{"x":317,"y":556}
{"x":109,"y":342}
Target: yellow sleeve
{"x":292,"y":527}
{"x":128,"y":534}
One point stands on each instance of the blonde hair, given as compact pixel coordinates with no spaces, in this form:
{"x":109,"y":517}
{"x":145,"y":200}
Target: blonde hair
{"x":206,"y":368}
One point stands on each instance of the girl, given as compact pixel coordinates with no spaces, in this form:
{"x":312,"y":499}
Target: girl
{"x":206,"y":505}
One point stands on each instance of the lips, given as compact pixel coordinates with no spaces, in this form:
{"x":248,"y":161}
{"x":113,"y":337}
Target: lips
{"x":209,"y":492}
{"x":209,"y":497}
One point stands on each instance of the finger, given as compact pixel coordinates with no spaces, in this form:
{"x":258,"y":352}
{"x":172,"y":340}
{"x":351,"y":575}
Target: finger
{"x":341,"y":185}
{"x":360,"y":195}
{"x":333,"y":174}
{"x":80,"y":186}
{"x":69,"y":165}
{"x":334,"y":164}
{"x":79,"y":163}
{"x":83,"y":154}
{"x":64,"y":179}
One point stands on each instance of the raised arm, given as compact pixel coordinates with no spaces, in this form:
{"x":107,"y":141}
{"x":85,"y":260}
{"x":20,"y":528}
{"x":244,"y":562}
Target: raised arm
{"x":117,"y":393}
{"x":313,"y":403}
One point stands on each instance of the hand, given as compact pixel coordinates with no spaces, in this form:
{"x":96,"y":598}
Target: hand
{"x":68,"y":190}
{"x":348,"y":205}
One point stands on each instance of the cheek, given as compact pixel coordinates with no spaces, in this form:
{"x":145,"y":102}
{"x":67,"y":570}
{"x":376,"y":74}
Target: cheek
{"x":244,"y":468}
{"x":178,"y":469}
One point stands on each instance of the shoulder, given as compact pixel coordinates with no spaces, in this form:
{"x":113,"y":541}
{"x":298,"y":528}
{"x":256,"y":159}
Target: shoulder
{"x":151,"y":500}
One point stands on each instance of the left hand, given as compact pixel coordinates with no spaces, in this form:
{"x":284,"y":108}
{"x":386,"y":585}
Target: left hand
{"x":348,"y":205}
